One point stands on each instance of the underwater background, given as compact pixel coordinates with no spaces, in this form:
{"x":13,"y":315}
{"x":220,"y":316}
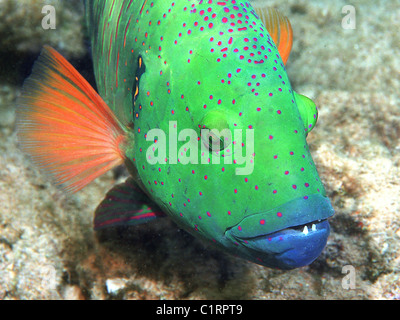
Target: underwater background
{"x":348,"y":64}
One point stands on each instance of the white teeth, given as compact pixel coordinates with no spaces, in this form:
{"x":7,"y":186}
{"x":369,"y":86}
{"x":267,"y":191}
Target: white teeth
{"x":309,"y":228}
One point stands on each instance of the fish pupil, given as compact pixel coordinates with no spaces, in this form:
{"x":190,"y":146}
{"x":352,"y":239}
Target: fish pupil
{"x":213,"y":144}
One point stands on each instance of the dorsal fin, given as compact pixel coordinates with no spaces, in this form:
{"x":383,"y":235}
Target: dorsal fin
{"x":279,"y":29}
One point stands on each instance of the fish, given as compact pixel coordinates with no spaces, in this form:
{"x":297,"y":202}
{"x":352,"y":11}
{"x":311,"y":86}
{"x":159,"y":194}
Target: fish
{"x":194,"y":99}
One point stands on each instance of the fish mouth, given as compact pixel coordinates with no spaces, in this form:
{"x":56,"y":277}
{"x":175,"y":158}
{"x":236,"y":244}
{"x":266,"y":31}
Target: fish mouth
{"x":289,"y":236}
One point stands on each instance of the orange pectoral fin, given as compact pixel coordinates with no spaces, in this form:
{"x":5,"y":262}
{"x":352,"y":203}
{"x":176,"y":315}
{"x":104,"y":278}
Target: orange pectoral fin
{"x":279,"y":29}
{"x":65,"y":125}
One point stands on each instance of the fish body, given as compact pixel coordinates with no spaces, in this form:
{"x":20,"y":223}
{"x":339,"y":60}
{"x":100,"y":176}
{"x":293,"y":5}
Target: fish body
{"x":203,"y":115}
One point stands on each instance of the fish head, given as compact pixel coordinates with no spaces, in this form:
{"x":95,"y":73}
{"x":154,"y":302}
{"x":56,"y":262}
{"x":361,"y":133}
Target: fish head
{"x":220,"y":146}
{"x":241,"y":177}
{"x":270,"y":202}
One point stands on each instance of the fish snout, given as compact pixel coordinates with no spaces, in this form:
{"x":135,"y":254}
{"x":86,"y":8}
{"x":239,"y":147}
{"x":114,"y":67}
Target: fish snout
{"x":286,"y":237}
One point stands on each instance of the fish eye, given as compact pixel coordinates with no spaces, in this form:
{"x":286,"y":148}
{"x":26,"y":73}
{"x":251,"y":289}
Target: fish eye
{"x":214,"y":131}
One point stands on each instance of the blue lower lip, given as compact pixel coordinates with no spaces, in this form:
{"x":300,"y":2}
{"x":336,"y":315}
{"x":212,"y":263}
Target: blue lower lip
{"x":290,"y":248}
{"x":292,"y":245}
{"x":304,"y":248}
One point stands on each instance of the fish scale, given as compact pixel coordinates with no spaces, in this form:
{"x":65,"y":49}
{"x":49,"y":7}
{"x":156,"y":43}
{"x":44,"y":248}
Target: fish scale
{"x":183,"y":67}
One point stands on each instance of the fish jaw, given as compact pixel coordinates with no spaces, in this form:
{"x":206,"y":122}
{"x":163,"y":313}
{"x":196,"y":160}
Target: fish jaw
{"x":287,"y":237}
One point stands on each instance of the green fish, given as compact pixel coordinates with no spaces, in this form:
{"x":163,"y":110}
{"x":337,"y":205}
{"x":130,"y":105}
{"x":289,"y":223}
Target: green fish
{"x":195,"y":100}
